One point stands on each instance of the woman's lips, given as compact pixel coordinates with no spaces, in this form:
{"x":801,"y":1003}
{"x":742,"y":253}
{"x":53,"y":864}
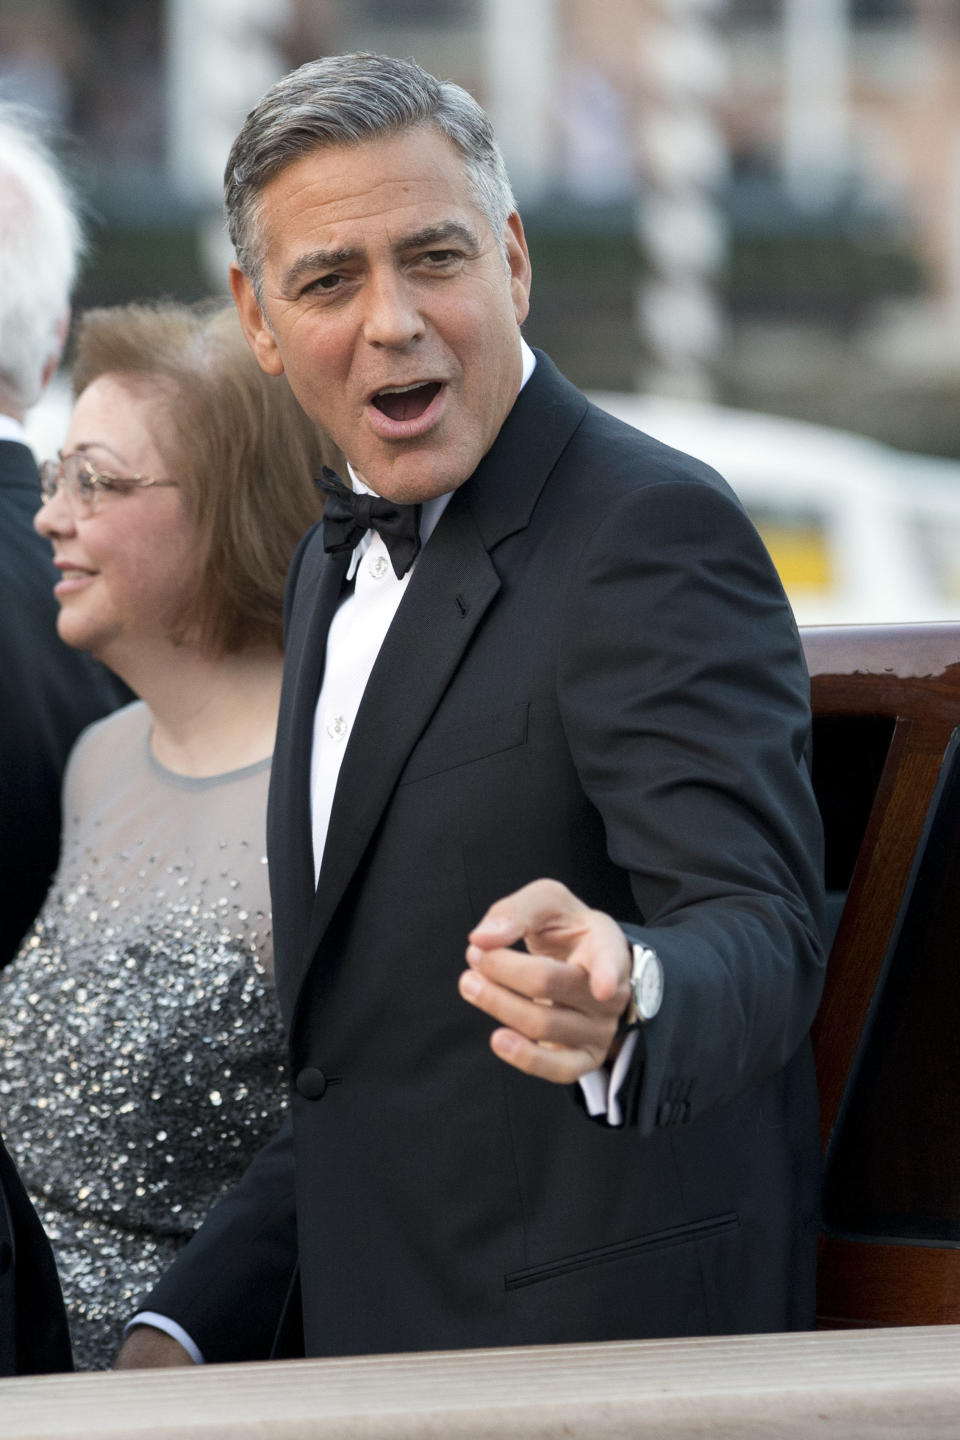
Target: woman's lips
{"x":405,"y":412}
{"x":71,"y":579}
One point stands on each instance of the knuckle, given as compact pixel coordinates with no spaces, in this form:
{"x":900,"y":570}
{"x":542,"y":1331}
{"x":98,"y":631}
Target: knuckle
{"x":541,"y":1026}
{"x":544,"y":978}
{"x":549,"y":892}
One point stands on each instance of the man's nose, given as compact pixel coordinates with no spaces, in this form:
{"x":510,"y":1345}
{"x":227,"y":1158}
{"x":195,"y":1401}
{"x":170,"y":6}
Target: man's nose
{"x":392,"y":318}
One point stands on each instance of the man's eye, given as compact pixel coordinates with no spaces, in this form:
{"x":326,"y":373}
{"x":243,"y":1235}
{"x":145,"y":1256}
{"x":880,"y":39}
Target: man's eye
{"x":324,"y":283}
{"x":441,"y":257}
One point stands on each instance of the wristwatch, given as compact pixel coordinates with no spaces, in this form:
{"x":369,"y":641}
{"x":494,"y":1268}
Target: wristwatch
{"x":646,"y":985}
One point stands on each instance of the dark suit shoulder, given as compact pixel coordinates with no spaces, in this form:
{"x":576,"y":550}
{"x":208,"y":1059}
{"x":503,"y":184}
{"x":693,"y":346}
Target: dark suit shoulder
{"x":18,"y":469}
{"x":595,"y":450}
{"x":619,"y":455}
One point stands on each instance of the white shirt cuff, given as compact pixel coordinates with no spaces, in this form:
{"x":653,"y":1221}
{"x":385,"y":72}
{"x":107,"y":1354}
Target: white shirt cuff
{"x":601,"y":1088}
{"x":169,"y":1327}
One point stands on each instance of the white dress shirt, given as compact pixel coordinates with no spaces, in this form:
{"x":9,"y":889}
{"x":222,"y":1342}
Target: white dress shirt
{"x":356,"y":634}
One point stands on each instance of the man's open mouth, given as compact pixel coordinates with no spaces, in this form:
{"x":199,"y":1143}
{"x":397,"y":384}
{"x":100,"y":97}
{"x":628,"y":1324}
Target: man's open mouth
{"x":406,"y":402}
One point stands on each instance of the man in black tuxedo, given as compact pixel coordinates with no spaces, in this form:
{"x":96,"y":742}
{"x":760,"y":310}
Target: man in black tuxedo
{"x":577,"y":663}
{"x":48,"y":692}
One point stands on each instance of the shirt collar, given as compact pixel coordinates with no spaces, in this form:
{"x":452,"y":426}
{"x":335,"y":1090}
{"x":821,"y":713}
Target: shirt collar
{"x":529,"y":362}
{"x":11,"y":429}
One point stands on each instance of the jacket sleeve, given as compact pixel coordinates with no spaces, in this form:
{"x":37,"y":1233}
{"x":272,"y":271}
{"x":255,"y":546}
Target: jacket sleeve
{"x":685,"y":701}
{"x":228,"y":1286}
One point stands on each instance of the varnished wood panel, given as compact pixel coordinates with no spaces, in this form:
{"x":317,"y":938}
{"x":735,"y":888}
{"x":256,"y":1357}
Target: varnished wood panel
{"x":887,"y":1284}
{"x":909,"y":674}
{"x":873,"y":903}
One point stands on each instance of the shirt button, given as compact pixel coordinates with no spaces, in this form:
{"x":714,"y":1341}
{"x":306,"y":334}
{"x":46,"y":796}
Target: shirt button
{"x":337,"y":728}
{"x":378,"y":565}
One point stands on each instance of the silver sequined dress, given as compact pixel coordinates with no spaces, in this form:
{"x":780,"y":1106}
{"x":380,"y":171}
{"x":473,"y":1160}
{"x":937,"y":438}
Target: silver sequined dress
{"x":141,"y":1048}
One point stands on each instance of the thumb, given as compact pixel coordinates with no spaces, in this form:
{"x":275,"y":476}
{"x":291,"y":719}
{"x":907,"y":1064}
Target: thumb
{"x":537,"y":909}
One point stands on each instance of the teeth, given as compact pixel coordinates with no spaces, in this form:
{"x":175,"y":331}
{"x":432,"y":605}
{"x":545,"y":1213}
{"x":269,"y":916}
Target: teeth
{"x":402,"y":389}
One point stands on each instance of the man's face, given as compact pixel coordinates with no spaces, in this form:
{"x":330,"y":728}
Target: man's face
{"x":388,"y":305}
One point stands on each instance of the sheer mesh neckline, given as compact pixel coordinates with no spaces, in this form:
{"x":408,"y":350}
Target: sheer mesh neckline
{"x":201,"y":782}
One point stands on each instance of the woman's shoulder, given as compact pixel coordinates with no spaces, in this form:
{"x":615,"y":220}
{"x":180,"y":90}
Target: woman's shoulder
{"x":118,"y":728}
{"x":108,"y":747}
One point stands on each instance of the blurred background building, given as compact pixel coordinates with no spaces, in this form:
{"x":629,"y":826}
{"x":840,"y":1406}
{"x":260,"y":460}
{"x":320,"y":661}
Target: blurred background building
{"x":755,"y":202}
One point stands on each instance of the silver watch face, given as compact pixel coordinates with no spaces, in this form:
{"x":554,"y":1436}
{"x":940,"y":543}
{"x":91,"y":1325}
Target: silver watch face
{"x":646,"y":981}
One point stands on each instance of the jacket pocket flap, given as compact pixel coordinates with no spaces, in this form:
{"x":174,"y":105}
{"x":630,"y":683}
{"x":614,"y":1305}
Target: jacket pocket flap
{"x":445,"y":749}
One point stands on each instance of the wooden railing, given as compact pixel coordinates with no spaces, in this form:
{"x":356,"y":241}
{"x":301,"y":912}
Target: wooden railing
{"x":855,"y":1385}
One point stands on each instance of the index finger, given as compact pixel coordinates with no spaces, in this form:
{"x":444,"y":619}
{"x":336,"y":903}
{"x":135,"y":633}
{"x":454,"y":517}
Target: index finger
{"x":539,"y":977}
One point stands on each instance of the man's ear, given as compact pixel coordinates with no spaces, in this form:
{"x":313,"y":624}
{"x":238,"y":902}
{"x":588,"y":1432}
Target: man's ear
{"x":260,"y":337}
{"x":518,"y":262}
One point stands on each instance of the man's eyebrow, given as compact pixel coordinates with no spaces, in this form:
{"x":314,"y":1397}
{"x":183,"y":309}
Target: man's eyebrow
{"x":438,"y":234}
{"x":315,"y":260}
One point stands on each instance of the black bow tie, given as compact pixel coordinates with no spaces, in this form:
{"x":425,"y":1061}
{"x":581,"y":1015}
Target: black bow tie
{"x":348,"y":515}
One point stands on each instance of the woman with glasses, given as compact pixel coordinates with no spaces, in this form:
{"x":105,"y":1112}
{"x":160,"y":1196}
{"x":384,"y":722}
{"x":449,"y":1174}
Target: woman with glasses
{"x":140,"y":1042}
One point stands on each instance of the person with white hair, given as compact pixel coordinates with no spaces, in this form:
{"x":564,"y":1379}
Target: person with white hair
{"x":48,"y":692}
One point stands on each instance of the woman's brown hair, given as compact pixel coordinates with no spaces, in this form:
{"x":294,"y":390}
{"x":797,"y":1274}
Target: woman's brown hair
{"x":243,"y":452}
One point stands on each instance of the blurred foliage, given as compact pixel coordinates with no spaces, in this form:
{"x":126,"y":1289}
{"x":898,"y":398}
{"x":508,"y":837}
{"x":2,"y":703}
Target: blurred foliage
{"x":586,"y":277}
{"x":139,"y":264}
{"x":828,"y":275}
{"x":581,"y":309}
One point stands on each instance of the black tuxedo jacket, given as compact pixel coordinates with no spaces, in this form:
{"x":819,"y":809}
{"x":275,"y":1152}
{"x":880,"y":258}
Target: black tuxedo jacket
{"x":33,"y":1327}
{"x":594,"y":676}
{"x":48,"y":693}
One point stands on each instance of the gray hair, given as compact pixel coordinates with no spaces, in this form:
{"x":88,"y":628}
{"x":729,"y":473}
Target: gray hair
{"x":343,"y":100}
{"x":41,"y":242}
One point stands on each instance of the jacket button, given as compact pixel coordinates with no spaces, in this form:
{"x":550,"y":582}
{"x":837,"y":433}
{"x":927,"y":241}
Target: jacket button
{"x":311,"y":1083}
{"x":665,"y":1114}
{"x":6,"y":1257}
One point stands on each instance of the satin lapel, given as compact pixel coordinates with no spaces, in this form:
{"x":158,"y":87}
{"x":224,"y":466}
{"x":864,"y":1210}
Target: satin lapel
{"x":289,"y":831}
{"x":451,"y":588}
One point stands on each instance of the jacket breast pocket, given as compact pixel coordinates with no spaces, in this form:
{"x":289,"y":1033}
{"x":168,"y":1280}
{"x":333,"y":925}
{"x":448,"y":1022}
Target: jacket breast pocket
{"x":643,"y":1245}
{"x":445,"y":748}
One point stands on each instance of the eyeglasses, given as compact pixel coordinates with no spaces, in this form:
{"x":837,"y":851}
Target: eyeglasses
{"x":84,"y":485}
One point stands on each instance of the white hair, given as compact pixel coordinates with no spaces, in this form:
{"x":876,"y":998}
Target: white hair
{"x":41,"y":241}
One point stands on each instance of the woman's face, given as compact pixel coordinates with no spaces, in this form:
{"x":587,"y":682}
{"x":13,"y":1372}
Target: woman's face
{"x":127,"y":569}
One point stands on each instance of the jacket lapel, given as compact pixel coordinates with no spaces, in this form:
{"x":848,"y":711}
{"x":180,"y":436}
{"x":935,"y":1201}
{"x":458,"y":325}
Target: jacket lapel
{"x":450,"y":590}
{"x":289,"y":830}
